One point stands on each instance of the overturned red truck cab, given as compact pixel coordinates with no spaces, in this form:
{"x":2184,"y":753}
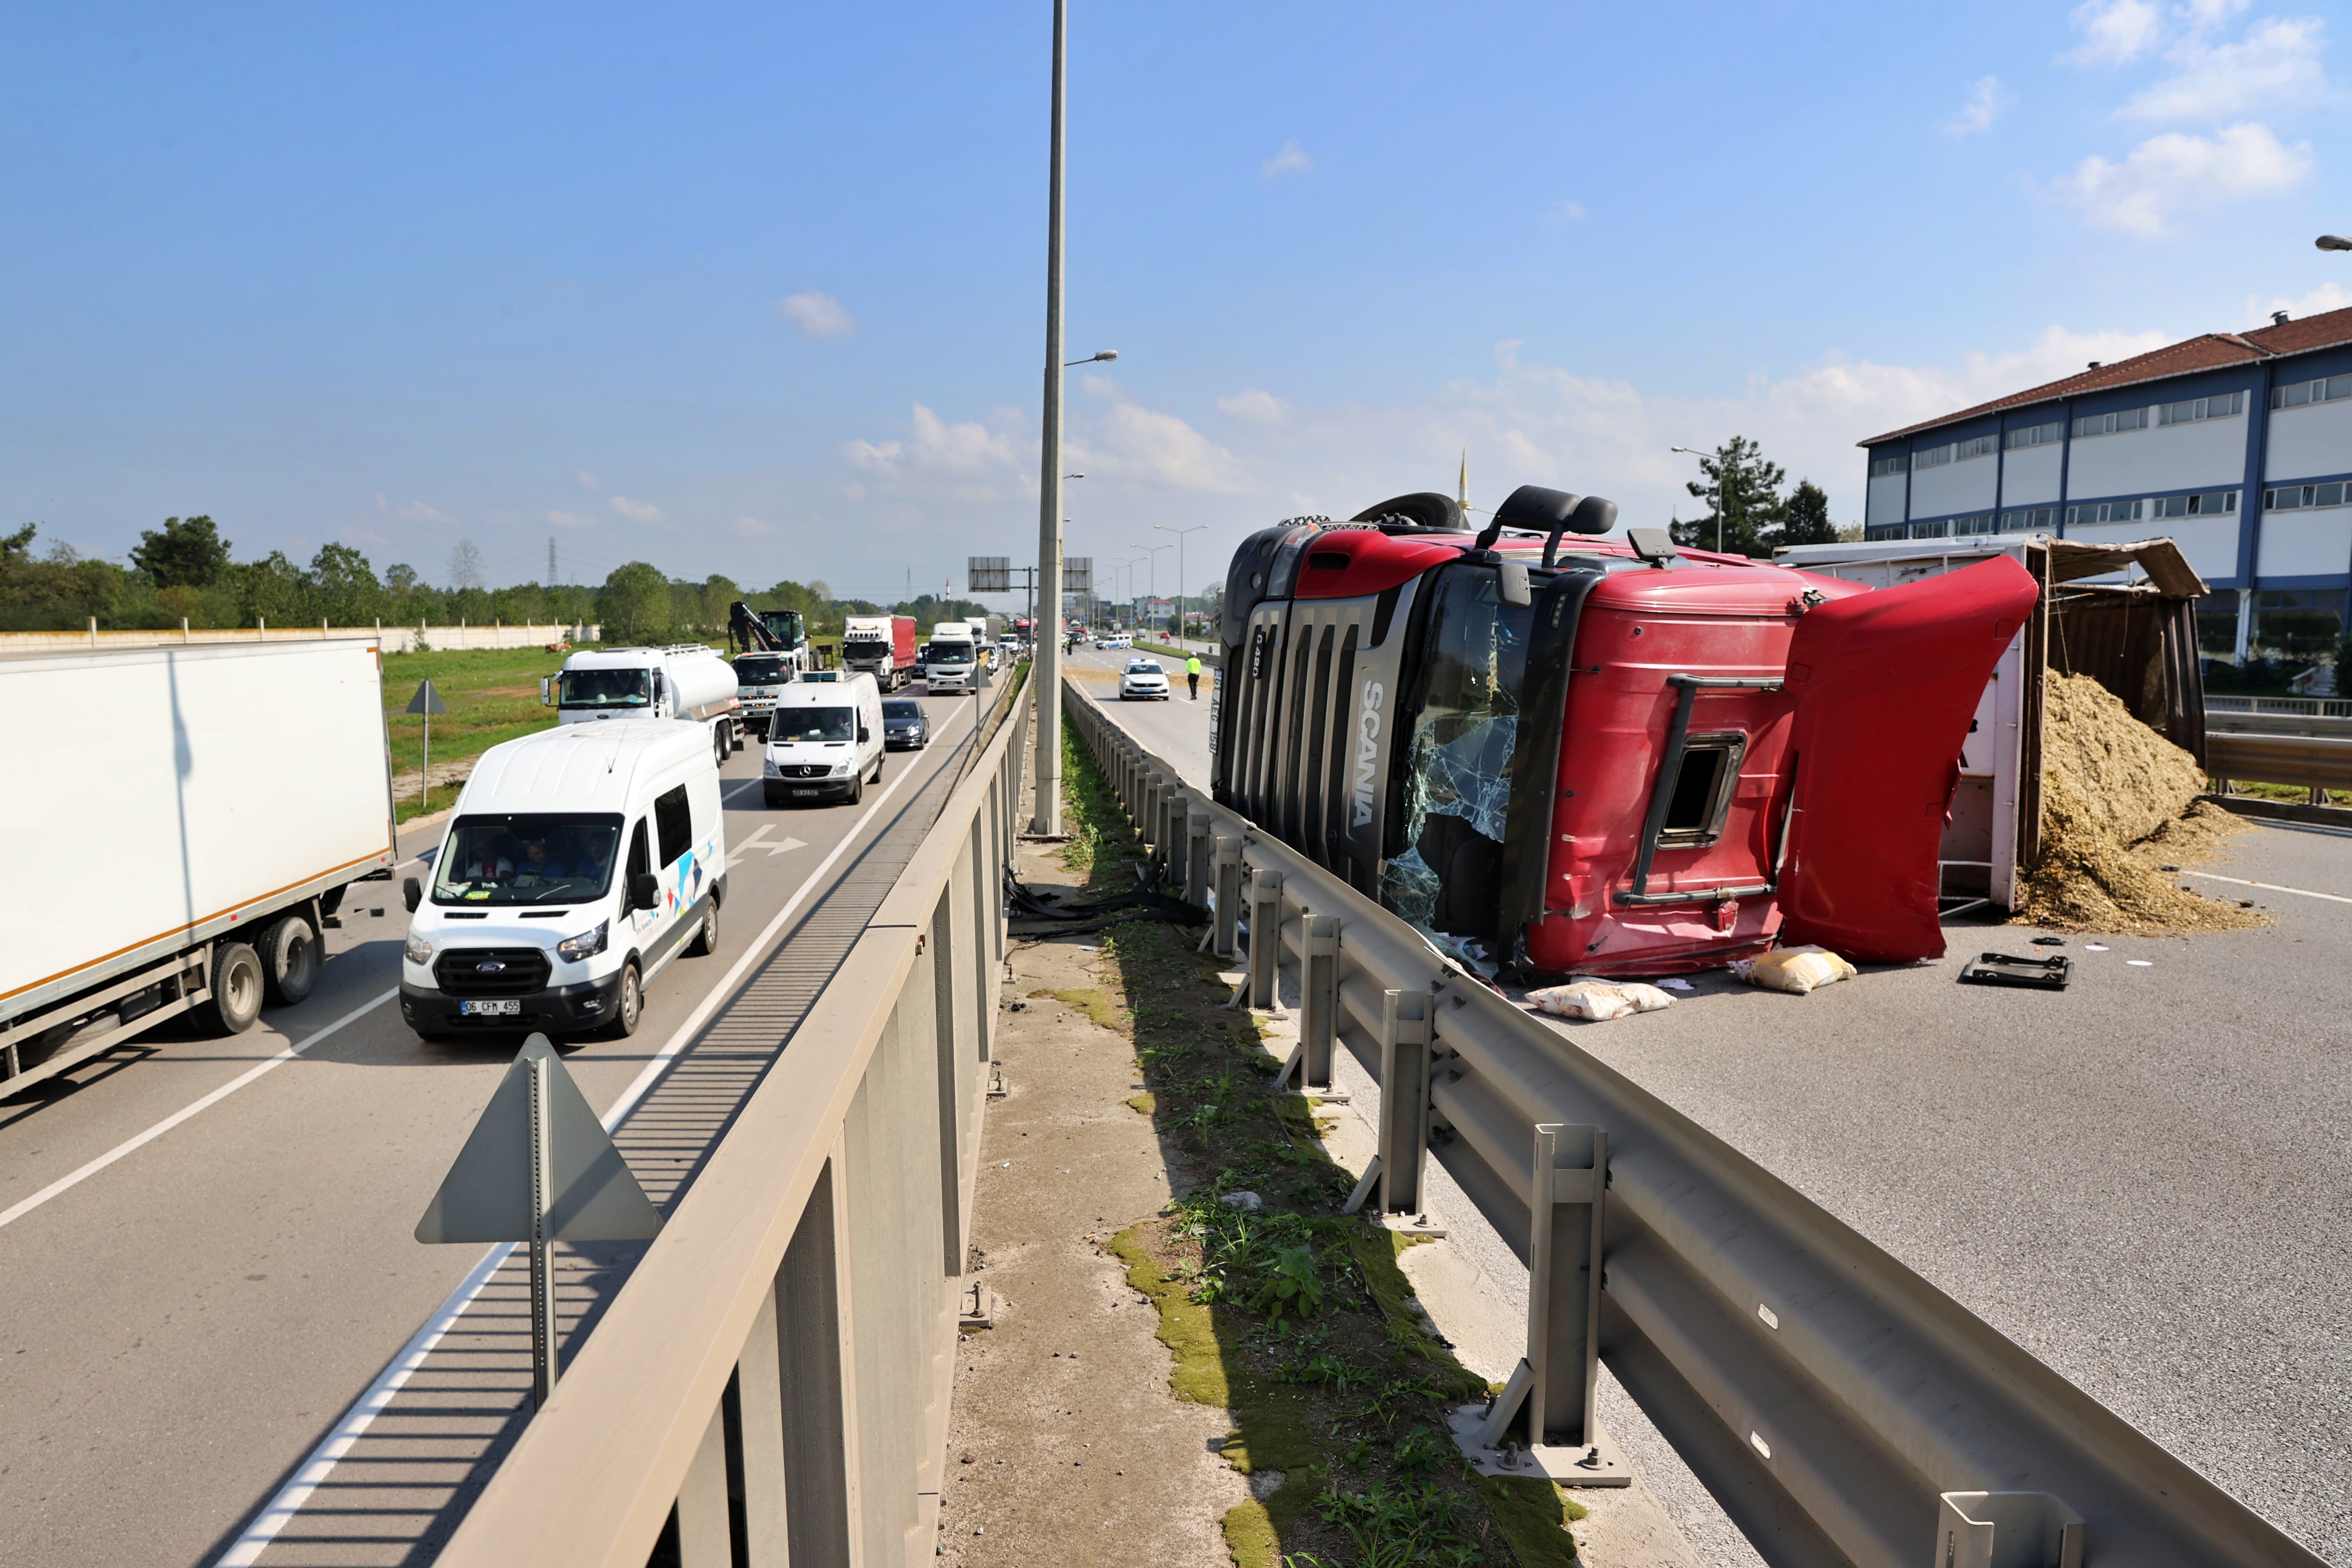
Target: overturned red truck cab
{"x":1555,"y":753}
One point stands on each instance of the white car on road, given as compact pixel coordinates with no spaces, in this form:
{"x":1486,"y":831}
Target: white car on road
{"x":1142,"y":680}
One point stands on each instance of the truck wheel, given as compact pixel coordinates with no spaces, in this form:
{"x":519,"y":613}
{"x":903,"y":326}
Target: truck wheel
{"x":629,"y":1008}
{"x":289,"y":952}
{"x":236,"y":989}
{"x":719,"y":745}
{"x":705,"y":940}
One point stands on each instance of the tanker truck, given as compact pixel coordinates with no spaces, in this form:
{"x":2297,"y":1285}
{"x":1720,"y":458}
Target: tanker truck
{"x":1555,"y":753}
{"x":689,"y":681}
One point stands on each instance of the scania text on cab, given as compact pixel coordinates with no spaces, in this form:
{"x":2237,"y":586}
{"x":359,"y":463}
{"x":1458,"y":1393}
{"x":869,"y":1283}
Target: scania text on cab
{"x":579,"y":863}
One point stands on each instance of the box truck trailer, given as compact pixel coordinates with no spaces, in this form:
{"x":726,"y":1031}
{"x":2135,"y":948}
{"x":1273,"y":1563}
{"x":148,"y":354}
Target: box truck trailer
{"x":952,"y":663}
{"x":184,"y":856}
{"x":1615,"y":758}
{"x":880,"y":646}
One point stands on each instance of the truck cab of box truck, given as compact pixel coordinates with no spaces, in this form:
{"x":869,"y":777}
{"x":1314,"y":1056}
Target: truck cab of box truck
{"x":954,"y":664}
{"x":686,"y":681}
{"x":760,"y":680}
{"x":1615,"y":758}
{"x":825,"y":741}
{"x":579,"y":863}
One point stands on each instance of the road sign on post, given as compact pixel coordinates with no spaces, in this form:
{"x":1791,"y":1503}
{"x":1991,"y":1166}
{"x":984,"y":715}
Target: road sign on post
{"x":988,"y":574}
{"x":426,"y":702}
{"x":539,"y":1168}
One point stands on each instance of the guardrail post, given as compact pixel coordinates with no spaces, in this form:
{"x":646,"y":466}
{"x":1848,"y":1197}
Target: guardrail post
{"x":704,"y":1537}
{"x":1319,"y":985}
{"x":1229,"y":897}
{"x":1547,"y":1406}
{"x":1404,"y":1100}
{"x":1265,"y":939}
{"x":1175,"y":811}
{"x":1152,"y":822}
{"x":2035,"y":1530}
{"x":760,"y":1410}
{"x":1199,"y":847}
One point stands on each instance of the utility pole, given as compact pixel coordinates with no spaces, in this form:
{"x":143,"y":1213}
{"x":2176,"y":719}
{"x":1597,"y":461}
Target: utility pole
{"x":1047,"y":818}
{"x":551,"y":561}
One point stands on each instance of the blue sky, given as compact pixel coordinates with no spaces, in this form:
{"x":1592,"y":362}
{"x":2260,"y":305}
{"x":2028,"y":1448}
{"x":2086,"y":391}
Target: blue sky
{"x":758,"y":290}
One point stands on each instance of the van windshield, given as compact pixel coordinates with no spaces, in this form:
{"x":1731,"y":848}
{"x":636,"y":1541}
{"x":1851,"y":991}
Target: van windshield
{"x":608,"y":688}
{"x":526,"y":860}
{"x":813,"y":724}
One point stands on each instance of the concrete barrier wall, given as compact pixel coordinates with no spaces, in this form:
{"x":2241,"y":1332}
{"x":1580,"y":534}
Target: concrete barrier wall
{"x":397,"y":638}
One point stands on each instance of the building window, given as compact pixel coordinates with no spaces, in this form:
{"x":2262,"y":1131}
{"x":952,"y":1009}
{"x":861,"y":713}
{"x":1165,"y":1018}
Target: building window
{"x":1981,"y":523}
{"x":2297,"y":623}
{"x":2189,"y":410}
{"x":2292,"y":498}
{"x":1931,"y":458}
{"x":2204,"y":503}
{"x":2110,"y":423}
{"x":2217,"y":623}
{"x":2307,"y":391}
{"x":1878,"y":530}
{"x":2029,"y":519}
{"x":2036,"y":434}
{"x":2107,"y":511}
{"x":1882,"y":466}
{"x":1981,"y":446}
{"x":1927,"y":531}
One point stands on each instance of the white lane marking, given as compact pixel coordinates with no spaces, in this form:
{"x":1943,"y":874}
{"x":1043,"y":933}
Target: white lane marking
{"x":760,"y":841}
{"x":2274,"y":887}
{"x":315,"y":1469}
{"x":67,"y":1182}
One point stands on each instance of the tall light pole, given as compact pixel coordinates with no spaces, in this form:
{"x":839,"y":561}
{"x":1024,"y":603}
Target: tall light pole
{"x":1153,"y":551}
{"x":1047,"y":818}
{"x":1180,"y":533}
{"x":1694,"y":452}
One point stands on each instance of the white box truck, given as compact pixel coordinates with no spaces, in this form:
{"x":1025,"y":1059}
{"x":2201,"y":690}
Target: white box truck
{"x":186,"y":819}
{"x":952,"y":663}
{"x":685,"y":680}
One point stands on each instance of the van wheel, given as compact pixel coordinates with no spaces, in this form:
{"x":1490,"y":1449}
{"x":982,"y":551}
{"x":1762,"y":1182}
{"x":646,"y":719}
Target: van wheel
{"x":236,"y":989}
{"x":858,"y":789}
{"x":289,"y":952}
{"x":631,"y":1004}
{"x":705,"y":940}
{"x":877,"y":768}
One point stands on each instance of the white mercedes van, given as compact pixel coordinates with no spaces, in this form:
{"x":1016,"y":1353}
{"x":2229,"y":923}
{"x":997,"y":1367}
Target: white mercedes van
{"x":580,"y":861}
{"x":825,"y":740}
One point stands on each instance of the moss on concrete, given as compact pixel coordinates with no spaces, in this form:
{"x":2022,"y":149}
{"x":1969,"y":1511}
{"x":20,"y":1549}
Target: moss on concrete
{"x":1144,"y":1104}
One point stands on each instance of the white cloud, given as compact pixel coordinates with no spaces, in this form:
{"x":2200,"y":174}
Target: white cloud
{"x":410,"y":511}
{"x":588,"y":482}
{"x":2172,"y":174}
{"x":1566,"y":212}
{"x":752,"y":528}
{"x":1140,"y":444}
{"x":2114,"y":32}
{"x":1258,"y":407}
{"x":570,"y":519}
{"x":1291,"y":159}
{"x":938,"y":446}
{"x":816,"y":315}
{"x":636,"y":510}
{"x":1986,"y":98}
{"x":2326,"y":296}
{"x":2275,"y":66}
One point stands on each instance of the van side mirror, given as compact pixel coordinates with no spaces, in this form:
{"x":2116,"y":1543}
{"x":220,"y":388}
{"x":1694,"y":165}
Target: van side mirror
{"x":645,"y":891}
{"x":412,"y":893}
{"x":863,"y":733}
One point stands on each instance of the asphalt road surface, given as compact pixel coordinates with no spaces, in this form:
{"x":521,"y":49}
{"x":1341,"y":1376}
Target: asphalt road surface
{"x":208,"y":1242}
{"x":2145,"y":1180}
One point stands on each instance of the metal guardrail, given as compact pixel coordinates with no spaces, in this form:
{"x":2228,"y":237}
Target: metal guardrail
{"x":2282,"y":707}
{"x":2320,"y":760}
{"x":1844,"y":1412}
{"x":771,"y":1384}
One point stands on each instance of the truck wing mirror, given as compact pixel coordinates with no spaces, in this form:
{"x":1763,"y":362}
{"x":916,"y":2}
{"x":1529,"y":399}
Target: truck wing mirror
{"x":412,"y":894}
{"x":1511,"y":584}
{"x":645,"y":891}
{"x":546,"y":687}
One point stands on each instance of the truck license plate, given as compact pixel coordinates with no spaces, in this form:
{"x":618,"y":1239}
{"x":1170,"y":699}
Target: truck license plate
{"x":509,"y":1007}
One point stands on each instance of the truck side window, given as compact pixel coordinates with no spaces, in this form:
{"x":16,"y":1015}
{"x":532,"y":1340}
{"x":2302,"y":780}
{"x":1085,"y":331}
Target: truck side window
{"x":676,"y":827}
{"x":1701,"y":798}
{"x":639,"y":861}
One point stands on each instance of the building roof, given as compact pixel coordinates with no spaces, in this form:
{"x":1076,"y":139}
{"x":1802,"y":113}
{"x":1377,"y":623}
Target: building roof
{"x":2211,"y":351}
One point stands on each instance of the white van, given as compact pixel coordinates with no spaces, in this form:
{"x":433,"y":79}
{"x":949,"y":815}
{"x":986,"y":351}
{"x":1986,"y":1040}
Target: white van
{"x":825,"y":740}
{"x":579,"y":862}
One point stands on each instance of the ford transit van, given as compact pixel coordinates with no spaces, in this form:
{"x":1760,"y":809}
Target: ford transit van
{"x":579,"y":863}
{"x":825,"y":740}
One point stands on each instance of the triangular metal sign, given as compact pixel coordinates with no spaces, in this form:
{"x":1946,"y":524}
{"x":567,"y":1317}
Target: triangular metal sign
{"x":427,"y":700}
{"x":591,"y":1195}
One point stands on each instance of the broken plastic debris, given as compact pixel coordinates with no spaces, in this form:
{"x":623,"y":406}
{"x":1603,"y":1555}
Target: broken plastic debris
{"x":2094,"y":947}
{"x":1598,"y":999}
{"x":1678,"y":985}
{"x":2141,"y":962}
{"x":1797,"y":970}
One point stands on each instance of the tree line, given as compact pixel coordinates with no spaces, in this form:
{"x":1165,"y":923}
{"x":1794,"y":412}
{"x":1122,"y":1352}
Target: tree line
{"x":186,"y":571}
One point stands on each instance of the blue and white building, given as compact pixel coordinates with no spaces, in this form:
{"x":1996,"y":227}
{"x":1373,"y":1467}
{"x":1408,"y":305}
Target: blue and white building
{"x":2236,"y":444}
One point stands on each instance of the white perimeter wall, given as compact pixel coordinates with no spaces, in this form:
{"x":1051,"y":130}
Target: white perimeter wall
{"x":2031,"y":478}
{"x":1955,"y":487}
{"x":2306,"y":442}
{"x":1885,"y":499}
{"x":2305,"y":544}
{"x":397,"y":639}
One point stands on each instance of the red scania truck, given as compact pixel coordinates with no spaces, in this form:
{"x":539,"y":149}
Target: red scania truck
{"x":1555,"y":753}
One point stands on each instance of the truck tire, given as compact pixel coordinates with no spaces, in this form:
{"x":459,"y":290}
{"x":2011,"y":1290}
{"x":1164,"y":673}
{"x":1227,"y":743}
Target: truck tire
{"x":236,"y":987}
{"x":721,"y":751}
{"x":289,"y":952}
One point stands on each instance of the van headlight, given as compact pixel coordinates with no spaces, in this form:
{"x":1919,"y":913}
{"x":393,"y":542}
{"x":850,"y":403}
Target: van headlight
{"x":586,"y":945}
{"x":420,"y":948}
{"x":841,"y":770}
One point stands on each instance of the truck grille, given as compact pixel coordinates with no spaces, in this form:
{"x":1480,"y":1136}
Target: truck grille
{"x":490,"y":971}
{"x":803,"y":770}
